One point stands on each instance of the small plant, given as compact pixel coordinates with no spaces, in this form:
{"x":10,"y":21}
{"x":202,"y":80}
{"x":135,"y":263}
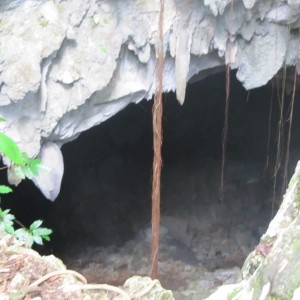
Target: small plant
{"x":35,"y":234}
{"x":43,"y":23}
{"x":103,"y":49}
{"x":232,"y":294}
{"x":273,"y":298}
{"x":21,"y":166}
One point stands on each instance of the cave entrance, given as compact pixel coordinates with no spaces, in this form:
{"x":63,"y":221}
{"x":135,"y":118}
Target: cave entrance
{"x":101,"y":219}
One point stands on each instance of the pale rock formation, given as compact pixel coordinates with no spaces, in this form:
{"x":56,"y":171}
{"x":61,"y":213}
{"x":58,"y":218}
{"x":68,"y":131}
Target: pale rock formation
{"x":50,"y":155}
{"x":66,"y":66}
{"x":271,"y":271}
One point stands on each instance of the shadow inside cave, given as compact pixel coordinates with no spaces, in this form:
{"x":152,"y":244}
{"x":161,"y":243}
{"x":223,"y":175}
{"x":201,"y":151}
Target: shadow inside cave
{"x":101,"y":219}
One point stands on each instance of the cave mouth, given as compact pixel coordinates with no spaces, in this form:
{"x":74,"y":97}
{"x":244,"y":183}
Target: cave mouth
{"x":101,"y":219}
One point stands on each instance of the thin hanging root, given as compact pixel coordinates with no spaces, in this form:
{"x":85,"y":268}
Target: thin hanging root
{"x":290,"y":121}
{"x":248,"y":96}
{"x":157,"y":112}
{"x":280,"y":138}
{"x":225,"y":133}
{"x":225,"y":128}
{"x":105,"y":287}
{"x":278,"y":151}
{"x":269,"y":131}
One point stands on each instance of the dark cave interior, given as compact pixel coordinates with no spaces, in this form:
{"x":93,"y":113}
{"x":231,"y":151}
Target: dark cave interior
{"x":105,"y":195}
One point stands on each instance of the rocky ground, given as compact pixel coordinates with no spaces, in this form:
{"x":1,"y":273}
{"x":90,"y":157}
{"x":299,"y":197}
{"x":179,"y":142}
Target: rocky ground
{"x":24,"y":274}
{"x":179,"y":268}
{"x":203,"y":242}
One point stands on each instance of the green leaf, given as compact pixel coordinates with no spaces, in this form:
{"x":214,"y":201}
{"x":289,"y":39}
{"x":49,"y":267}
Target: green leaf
{"x":18,"y":171}
{"x":46,"y":237}
{"x":37,"y":239}
{"x":9,"y":229}
{"x":2,"y":119}
{"x":10,"y":149}
{"x":42,"y":231}
{"x":35,"y":225}
{"x":24,"y":235}
{"x":6,"y":217}
{"x":44,"y":23}
{"x":5,"y":212}
{"x":35,"y":166}
{"x":29,"y":168}
{"x":103,"y":48}
{"x":4,"y":189}
{"x":27,"y":172}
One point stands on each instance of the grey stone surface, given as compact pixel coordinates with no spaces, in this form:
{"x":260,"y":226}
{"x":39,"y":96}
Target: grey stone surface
{"x":49,"y":180}
{"x":272,"y":269}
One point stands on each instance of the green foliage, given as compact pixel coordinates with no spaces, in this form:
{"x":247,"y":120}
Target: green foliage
{"x":297,"y":196}
{"x":96,"y":21}
{"x":28,"y":169}
{"x":35,"y":234}
{"x":43,"y":23}
{"x":103,"y":49}
{"x":23,"y":167}
{"x":7,"y":221}
{"x":232,"y":294}
{"x":5,"y":189}
{"x":273,"y":298}
{"x":10,"y":149}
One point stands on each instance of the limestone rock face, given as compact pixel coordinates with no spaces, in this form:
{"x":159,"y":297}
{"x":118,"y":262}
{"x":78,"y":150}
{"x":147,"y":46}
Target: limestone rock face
{"x":66,"y":66}
{"x":272,"y":269}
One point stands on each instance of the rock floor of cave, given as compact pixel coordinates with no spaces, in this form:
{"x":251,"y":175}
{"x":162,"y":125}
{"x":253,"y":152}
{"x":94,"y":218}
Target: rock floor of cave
{"x":203,"y":242}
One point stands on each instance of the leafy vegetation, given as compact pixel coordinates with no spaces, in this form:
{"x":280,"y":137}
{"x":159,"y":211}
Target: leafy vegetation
{"x":232,"y":294}
{"x":273,"y":298}
{"x":21,"y":166}
{"x":44,"y":23}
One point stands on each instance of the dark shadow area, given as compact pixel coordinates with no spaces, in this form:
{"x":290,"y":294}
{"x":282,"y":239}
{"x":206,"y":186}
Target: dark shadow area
{"x":105,"y":198}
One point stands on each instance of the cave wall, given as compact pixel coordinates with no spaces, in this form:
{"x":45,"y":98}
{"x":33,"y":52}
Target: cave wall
{"x":106,"y":186}
{"x":105,"y":195}
{"x":66,"y":66}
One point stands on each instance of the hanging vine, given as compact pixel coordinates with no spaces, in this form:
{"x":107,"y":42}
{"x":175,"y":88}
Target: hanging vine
{"x":226,"y":113}
{"x":157,"y":111}
{"x":290,"y":122}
